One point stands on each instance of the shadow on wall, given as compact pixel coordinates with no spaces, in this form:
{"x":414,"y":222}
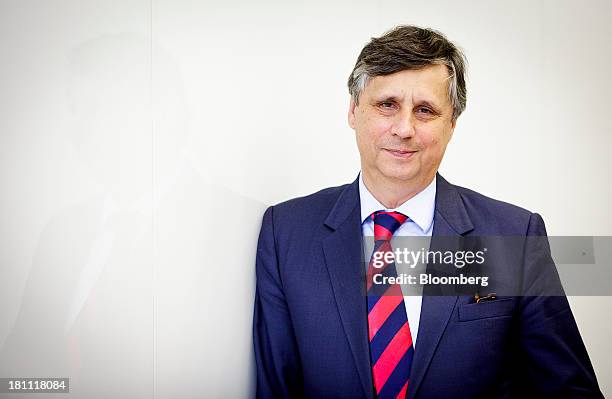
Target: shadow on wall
{"x":148,"y":284}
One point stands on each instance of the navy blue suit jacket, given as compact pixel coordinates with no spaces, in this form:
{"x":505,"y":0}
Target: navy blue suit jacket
{"x":310,"y":323}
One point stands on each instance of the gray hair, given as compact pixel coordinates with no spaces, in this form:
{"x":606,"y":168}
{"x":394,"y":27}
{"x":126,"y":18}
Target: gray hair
{"x":410,"y":47}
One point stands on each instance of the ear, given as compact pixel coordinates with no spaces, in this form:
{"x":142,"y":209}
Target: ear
{"x":452,"y":130}
{"x":351,"y":113}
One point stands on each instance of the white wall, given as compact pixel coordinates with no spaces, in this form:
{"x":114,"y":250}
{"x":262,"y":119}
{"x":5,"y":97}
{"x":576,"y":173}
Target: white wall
{"x":140,"y":141}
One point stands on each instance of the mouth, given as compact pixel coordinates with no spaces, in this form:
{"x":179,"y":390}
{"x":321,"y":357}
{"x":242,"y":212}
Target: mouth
{"x":402,"y":154}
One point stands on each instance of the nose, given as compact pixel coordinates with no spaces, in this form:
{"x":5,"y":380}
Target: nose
{"x":403,"y":126}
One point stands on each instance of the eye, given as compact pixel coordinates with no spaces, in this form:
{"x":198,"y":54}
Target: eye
{"x":386,"y":105}
{"x":425,"y":113}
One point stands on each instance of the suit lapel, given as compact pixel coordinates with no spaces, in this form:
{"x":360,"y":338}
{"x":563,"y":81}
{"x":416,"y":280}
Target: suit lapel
{"x":451,"y":220}
{"x":435,"y":314}
{"x":343,"y":256}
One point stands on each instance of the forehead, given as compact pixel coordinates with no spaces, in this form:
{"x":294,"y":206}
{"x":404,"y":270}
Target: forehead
{"x":430,"y":82}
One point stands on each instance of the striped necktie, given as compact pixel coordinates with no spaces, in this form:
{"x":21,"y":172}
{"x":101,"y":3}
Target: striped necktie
{"x":391,"y":348}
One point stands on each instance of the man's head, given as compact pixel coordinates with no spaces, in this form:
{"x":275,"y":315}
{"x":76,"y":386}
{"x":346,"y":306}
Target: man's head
{"x":407,"y":91}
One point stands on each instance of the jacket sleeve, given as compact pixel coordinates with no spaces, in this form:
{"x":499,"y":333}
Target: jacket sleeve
{"x":554,"y":359}
{"x":278,"y":368}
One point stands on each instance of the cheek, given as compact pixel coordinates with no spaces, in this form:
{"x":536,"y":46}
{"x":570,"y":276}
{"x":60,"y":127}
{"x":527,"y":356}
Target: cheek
{"x":432,"y":137}
{"x":426,"y":137}
{"x":370,"y":131}
{"x":376,"y":129}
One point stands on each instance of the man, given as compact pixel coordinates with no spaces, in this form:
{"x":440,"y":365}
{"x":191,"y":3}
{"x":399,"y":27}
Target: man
{"x":325,"y":328}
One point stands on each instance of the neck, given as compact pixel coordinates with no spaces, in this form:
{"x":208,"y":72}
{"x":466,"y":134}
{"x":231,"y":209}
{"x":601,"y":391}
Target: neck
{"x":393,"y":192}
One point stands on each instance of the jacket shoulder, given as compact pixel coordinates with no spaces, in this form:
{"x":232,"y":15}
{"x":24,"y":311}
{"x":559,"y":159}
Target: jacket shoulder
{"x":308,"y":209}
{"x":498,"y":216}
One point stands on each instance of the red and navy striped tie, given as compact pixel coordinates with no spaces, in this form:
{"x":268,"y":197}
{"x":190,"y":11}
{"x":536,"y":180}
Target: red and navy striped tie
{"x":391,"y":348}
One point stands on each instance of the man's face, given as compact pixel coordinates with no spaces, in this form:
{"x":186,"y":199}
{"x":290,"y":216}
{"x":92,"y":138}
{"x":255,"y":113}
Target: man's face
{"x":403,"y":123}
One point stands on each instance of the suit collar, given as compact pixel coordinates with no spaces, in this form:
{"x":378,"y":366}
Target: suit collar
{"x":347,"y":200}
{"x":451,"y":208}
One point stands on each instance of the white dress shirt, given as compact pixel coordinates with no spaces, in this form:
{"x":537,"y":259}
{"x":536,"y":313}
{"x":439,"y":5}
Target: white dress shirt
{"x":420,"y":211}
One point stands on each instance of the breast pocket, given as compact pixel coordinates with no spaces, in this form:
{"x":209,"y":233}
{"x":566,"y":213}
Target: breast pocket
{"x":497,"y":308}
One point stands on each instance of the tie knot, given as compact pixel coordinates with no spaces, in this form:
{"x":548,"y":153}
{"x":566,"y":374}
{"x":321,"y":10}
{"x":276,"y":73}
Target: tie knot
{"x":386,"y":223}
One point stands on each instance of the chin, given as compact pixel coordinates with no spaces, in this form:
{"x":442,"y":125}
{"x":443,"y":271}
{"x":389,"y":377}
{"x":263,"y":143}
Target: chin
{"x":405,"y":175}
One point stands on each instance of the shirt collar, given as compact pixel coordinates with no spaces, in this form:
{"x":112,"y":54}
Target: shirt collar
{"x":420,"y":208}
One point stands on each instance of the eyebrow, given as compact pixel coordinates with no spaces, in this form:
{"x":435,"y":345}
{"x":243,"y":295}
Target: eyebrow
{"x":384,"y":98}
{"x":394,"y":98}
